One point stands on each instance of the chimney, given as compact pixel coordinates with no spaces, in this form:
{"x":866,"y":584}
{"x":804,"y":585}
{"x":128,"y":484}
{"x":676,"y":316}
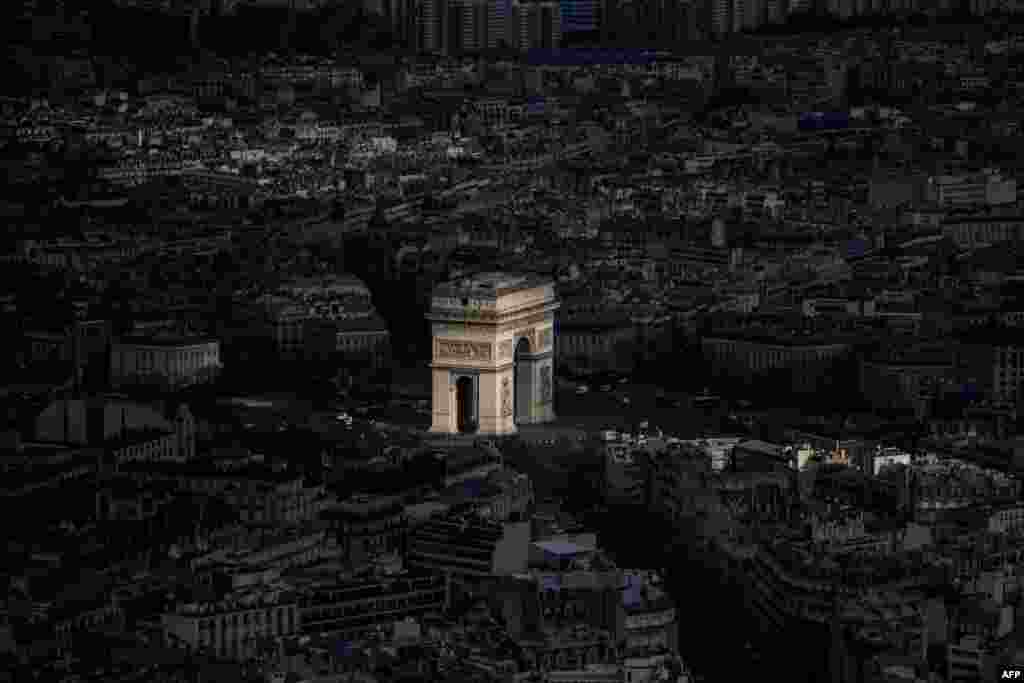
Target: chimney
{"x":193,"y":28}
{"x":65,"y":404}
{"x":76,"y":357}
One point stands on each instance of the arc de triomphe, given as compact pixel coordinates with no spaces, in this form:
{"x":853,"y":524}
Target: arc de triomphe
{"x":493,"y":353}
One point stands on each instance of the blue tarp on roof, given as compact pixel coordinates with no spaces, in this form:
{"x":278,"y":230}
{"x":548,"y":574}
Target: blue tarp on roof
{"x":817,"y":120}
{"x":856,"y":247}
{"x":473,"y":487}
{"x":578,"y":15}
{"x":343,"y":648}
{"x":969,"y":391}
{"x":633,"y":593}
{"x":560,"y":548}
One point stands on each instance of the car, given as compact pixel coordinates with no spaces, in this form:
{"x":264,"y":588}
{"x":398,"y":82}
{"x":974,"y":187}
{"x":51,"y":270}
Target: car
{"x":582,"y":389}
{"x":606,"y":387}
{"x":625,"y":400}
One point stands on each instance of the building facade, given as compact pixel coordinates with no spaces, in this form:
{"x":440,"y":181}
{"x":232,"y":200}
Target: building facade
{"x":232,"y":628}
{"x":353,"y":609}
{"x":164,"y":361}
{"x":537,"y":24}
{"x":367,"y":527}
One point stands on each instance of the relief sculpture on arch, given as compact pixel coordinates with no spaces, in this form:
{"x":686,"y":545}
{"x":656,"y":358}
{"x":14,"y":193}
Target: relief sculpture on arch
{"x":463,"y":350}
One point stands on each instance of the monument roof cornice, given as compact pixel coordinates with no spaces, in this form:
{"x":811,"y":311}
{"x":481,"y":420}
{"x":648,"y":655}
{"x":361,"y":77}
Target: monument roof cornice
{"x":470,"y":316}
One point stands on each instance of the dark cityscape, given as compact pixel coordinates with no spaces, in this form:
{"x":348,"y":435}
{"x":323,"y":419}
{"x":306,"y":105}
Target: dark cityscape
{"x":512,"y":341}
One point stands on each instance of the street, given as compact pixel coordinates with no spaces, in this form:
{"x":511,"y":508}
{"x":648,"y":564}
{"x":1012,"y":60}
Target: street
{"x":597,"y":410}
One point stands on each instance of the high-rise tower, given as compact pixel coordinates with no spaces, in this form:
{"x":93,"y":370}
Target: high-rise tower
{"x":538,"y":23}
{"x":579,"y":15}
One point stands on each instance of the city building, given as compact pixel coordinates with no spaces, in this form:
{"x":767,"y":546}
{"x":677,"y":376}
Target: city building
{"x":580,"y":15}
{"x":994,"y":366}
{"x":537,"y":24}
{"x":468,"y":548}
{"x":745,"y":354}
{"x":165,"y":361}
{"x":986,"y":188}
{"x":262,"y":494}
{"x":355,"y":608}
{"x":367,"y":527}
{"x":131,"y":432}
{"x":322,"y":318}
{"x":236,"y":627}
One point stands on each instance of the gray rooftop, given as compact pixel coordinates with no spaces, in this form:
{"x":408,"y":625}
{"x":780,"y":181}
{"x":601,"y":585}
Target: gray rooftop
{"x":490,"y":285}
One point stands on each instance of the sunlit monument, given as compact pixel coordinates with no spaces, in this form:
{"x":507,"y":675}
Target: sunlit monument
{"x":493,"y":353}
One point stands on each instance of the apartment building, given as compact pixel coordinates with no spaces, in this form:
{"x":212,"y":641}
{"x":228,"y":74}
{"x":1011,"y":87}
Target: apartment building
{"x":131,"y":432}
{"x":235,"y":627}
{"x":974,"y":231}
{"x":467,"y":547}
{"x":995,"y":368}
{"x":905,"y":380}
{"x":537,"y":24}
{"x":650,"y":619}
{"x":746,"y":355}
{"x":352,"y":609}
{"x":624,"y":474}
{"x":167,"y":361}
{"x":677,"y":477}
{"x":367,"y":526}
{"x":314,"y":318}
{"x":261,"y":494}
{"x":986,"y":188}
{"x":586,"y":341}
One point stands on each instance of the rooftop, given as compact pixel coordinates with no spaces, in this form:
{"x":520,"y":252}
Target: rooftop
{"x":561,"y":548}
{"x":166,"y":340}
{"x":490,"y":285}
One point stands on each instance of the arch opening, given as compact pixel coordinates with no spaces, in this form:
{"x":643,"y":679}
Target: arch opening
{"x":464,"y":405}
{"x":522,"y":387}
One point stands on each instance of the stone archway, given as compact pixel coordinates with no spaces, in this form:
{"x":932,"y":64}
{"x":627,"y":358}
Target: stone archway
{"x":523,"y":386}
{"x":493,"y":348}
{"x":465,"y":405}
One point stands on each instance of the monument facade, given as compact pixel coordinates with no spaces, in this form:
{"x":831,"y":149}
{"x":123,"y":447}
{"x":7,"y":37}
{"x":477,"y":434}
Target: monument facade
{"x":493,"y":353}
